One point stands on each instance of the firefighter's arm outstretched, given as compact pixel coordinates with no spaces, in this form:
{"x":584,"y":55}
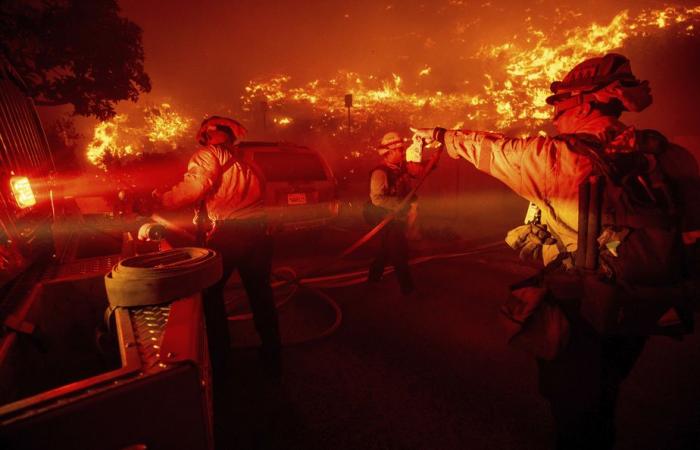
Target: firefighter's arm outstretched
{"x":202,"y":171}
{"x":526,"y":165}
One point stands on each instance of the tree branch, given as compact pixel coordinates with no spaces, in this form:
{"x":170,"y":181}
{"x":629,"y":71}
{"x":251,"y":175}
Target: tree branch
{"x":50,"y":102}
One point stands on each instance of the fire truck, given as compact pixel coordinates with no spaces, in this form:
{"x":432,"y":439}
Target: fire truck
{"x":69,"y":377}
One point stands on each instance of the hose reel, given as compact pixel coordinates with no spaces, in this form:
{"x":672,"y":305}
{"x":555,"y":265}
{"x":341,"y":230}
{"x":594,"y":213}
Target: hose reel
{"x":162,"y":277}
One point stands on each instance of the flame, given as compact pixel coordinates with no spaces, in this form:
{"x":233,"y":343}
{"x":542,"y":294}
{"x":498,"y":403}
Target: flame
{"x":516,"y":77}
{"x":512,"y":94}
{"x":531,"y":71}
{"x":165,"y":125}
{"x":372,"y":96}
{"x":106,"y":143}
{"x":118,"y":139}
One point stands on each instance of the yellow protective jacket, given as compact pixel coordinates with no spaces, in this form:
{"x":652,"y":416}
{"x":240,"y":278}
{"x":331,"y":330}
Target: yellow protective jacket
{"x":388,"y":185}
{"x":237,"y":193}
{"x":546,"y":172}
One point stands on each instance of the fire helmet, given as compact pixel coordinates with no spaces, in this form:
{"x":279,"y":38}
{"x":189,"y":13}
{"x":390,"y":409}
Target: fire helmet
{"x":601,"y":80}
{"x":390,"y":141}
{"x":233,"y":127}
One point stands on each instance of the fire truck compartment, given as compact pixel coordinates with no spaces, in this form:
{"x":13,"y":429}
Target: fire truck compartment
{"x":57,"y":331}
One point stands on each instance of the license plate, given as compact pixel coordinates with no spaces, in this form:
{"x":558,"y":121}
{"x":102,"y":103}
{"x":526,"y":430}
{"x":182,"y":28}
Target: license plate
{"x":298,"y":198}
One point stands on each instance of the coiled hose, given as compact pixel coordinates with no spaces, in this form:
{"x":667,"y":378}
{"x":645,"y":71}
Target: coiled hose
{"x":162,"y":277}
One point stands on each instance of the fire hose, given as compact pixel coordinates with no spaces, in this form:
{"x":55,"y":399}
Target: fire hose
{"x":296,"y":280}
{"x":166,"y":276}
{"x":388,"y":218}
{"x":313,"y":282}
{"x":162,"y":277}
{"x":316,"y":284}
{"x":310,"y":278}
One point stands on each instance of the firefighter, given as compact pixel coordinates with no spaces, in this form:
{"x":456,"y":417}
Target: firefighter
{"x":390,"y":182}
{"x":581,"y":365}
{"x":228,"y":195}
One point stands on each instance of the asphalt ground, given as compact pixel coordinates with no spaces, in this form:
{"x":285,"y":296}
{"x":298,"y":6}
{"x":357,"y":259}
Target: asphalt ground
{"x":432,"y":371}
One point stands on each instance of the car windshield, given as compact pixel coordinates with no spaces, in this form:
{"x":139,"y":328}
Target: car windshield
{"x":290,"y":166}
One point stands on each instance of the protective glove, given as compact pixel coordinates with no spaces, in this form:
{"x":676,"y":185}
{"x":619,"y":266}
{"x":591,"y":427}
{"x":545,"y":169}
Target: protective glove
{"x":531,"y":250}
{"x":414,"y":153}
{"x":529,"y":239}
{"x":429,"y":135}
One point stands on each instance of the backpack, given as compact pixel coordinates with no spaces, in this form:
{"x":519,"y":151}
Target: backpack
{"x":374,"y":214}
{"x":630,"y":250}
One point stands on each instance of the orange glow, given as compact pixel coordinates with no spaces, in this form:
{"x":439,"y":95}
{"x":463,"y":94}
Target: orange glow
{"x":107,"y":143}
{"x":511,"y":94}
{"x":22,"y":190}
{"x":165,"y":125}
{"x":521,"y":95}
{"x":371,"y":96}
{"x":117,"y":139}
{"x":282,"y":121}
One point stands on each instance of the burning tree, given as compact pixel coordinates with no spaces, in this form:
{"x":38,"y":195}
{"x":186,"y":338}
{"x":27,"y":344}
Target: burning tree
{"x":159,"y":129}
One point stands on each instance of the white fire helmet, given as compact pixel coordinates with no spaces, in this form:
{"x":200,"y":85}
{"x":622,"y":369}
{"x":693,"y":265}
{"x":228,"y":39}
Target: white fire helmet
{"x":235,"y":129}
{"x":390,"y":141}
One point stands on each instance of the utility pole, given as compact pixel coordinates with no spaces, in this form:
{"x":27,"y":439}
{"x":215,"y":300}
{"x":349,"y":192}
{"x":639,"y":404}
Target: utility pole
{"x":348,"y":105}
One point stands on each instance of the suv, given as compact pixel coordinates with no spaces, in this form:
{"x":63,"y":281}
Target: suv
{"x":300,"y":189}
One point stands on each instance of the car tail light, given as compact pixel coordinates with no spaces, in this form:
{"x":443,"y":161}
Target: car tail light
{"x":22,"y":190}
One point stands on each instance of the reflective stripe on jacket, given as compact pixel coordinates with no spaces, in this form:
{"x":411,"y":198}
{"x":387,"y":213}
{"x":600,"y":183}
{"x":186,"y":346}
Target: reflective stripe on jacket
{"x":546,"y":172}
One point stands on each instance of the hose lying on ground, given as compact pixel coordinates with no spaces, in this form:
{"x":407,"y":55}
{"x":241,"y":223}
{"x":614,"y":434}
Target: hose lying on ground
{"x":312,"y":281}
{"x":315,"y":284}
{"x":298,"y":280}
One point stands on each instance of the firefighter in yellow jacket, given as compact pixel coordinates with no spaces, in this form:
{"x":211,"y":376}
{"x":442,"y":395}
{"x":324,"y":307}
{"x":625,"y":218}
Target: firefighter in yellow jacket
{"x":390,"y":182}
{"x":580,"y":374}
{"x":227,"y":194}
